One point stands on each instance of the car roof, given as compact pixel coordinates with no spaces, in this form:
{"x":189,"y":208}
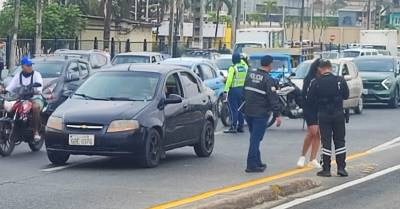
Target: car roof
{"x":186,"y":60}
{"x":225,"y":56}
{"x":69,"y":51}
{"x":360,"y":50}
{"x":56,"y":59}
{"x":258,"y":55}
{"x":139,"y":53}
{"x":381,"y":57}
{"x":152,"y":68}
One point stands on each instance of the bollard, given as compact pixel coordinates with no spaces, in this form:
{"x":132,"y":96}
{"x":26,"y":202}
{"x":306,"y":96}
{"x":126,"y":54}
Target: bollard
{"x":95,"y":43}
{"x":76,"y":43}
{"x":128,"y":45}
{"x":145,"y":45}
{"x":112,"y":53}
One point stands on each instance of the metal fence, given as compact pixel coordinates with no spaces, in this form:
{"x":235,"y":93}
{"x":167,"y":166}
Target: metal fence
{"x":27,"y":46}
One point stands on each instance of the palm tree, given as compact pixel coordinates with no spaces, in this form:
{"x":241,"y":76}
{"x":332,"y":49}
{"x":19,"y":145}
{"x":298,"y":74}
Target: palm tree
{"x":270,"y":6}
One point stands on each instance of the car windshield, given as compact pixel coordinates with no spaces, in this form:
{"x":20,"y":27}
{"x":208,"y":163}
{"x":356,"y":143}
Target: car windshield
{"x":370,"y":65}
{"x":224,"y":64}
{"x":124,"y":59}
{"x":278,"y":65}
{"x":121,"y":86}
{"x":304,"y":68}
{"x":46,"y":69}
{"x":350,"y":54}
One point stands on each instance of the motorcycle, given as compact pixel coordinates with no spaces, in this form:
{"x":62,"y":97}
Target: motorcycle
{"x":290,"y":98}
{"x":16,"y":120}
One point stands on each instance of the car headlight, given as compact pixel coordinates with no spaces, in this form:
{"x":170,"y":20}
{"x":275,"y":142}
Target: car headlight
{"x":55,"y":123}
{"x":123,"y":125}
{"x":387,"y":83}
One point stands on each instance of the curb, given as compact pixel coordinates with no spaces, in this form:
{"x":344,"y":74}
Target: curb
{"x":251,"y":197}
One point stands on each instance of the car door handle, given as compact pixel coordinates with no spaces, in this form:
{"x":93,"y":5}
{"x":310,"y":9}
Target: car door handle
{"x":185,"y":106}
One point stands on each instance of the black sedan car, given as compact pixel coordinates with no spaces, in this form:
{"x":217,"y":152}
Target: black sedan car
{"x":134,"y":110}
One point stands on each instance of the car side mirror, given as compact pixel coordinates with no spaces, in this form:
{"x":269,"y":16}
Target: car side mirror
{"x":347,"y":77}
{"x":71,"y":78}
{"x":173,"y":99}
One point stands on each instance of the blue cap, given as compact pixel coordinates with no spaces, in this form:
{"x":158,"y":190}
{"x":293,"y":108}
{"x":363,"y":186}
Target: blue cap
{"x":26,"y":61}
{"x":236,"y":58}
{"x":266,"y":60}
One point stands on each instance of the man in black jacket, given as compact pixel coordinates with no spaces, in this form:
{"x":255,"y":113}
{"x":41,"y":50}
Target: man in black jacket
{"x":328,"y":92}
{"x":260,"y":99}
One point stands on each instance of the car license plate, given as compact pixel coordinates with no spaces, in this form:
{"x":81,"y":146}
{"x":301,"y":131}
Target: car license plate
{"x":365,"y":91}
{"x":81,"y":140}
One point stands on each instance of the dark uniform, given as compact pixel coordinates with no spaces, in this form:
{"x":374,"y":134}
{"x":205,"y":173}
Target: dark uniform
{"x":260,"y":100}
{"x":328,"y":93}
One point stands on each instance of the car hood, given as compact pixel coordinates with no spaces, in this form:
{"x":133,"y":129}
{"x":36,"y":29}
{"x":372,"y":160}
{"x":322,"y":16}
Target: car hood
{"x":376,"y":75}
{"x":298,"y":82}
{"x":98,"y":112}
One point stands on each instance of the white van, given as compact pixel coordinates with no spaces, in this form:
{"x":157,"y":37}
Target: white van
{"x":353,"y":53}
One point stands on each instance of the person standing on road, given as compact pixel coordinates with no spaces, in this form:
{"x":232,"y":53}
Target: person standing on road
{"x":328,"y":92}
{"x":234,"y":89}
{"x":260,"y":100}
{"x":313,"y":138}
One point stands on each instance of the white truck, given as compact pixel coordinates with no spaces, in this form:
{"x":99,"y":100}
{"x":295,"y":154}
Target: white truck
{"x":382,"y":40}
{"x":259,"y":38}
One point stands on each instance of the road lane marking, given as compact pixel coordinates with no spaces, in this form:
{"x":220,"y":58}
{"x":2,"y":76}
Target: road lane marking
{"x":58,"y":168}
{"x":385,"y":146}
{"x":337,"y":188}
{"x":244,"y":185}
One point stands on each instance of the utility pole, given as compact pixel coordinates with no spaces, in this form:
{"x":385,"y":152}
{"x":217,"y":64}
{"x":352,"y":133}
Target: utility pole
{"x":301,"y":23}
{"x":234,"y":23}
{"x":13,"y":48}
{"x":107,"y":24}
{"x":369,"y":15}
{"x":38,"y":35}
{"x":198,"y":14}
{"x":171,"y":27}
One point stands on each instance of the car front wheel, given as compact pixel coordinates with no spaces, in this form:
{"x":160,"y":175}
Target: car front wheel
{"x":394,"y":102}
{"x":58,"y":158}
{"x":360,"y":107}
{"x":151,"y":156}
{"x":205,"y":146}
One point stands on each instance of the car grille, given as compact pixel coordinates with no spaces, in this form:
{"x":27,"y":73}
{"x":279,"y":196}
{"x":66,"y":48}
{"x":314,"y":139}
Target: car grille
{"x":373,"y":84}
{"x":83,"y":126}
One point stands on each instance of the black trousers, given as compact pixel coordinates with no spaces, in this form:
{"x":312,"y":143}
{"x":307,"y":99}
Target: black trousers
{"x":332,"y":127}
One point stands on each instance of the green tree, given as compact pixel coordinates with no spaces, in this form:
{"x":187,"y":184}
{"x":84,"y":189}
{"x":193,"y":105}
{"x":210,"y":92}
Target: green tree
{"x":270,"y":6}
{"x":58,"y":20}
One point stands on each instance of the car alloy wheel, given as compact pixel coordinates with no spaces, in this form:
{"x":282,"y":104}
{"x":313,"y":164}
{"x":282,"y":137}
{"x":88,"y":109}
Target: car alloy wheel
{"x":205,"y":146}
{"x":151,"y":155}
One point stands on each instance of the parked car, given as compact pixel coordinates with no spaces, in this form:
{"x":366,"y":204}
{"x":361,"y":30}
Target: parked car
{"x":199,"y":53}
{"x":341,"y":67}
{"x":282,"y":64}
{"x":224,"y":62}
{"x":137,"y":57}
{"x":353,"y":53}
{"x":97,"y":59}
{"x":61,"y":77}
{"x":381,"y":79}
{"x":134,"y":110}
{"x":207,"y":71}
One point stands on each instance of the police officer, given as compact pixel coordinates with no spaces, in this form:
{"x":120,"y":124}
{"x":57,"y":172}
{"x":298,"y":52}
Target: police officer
{"x":234,"y":88}
{"x":328,"y":92}
{"x":260,"y":100}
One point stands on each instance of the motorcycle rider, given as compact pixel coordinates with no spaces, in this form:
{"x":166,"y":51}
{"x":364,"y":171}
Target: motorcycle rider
{"x":260,"y":100}
{"x":234,"y":88}
{"x":27,"y":77}
{"x":328,"y":92}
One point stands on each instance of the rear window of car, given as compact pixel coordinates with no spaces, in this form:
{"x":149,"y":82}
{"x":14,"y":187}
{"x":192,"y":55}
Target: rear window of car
{"x":224,"y":64}
{"x":126,"y":59}
{"x":46,"y":69}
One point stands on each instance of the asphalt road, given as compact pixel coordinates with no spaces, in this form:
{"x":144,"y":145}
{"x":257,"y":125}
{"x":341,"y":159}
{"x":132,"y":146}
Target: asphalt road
{"x":99,"y":182}
{"x":379,"y":193}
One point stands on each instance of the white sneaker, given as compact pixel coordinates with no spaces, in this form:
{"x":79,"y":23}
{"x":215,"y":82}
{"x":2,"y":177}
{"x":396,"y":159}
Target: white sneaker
{"x":301,"y":162}
{"x":315,"y":164}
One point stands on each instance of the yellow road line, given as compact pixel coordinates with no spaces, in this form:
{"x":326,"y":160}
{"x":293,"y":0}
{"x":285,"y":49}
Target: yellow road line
{"x":243,"y":185}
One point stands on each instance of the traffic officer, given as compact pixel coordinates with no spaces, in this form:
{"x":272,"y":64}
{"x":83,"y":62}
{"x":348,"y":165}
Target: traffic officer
{"x":260,"y":100}
{"x":234,"y":88}
{"x":328,"y":92}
